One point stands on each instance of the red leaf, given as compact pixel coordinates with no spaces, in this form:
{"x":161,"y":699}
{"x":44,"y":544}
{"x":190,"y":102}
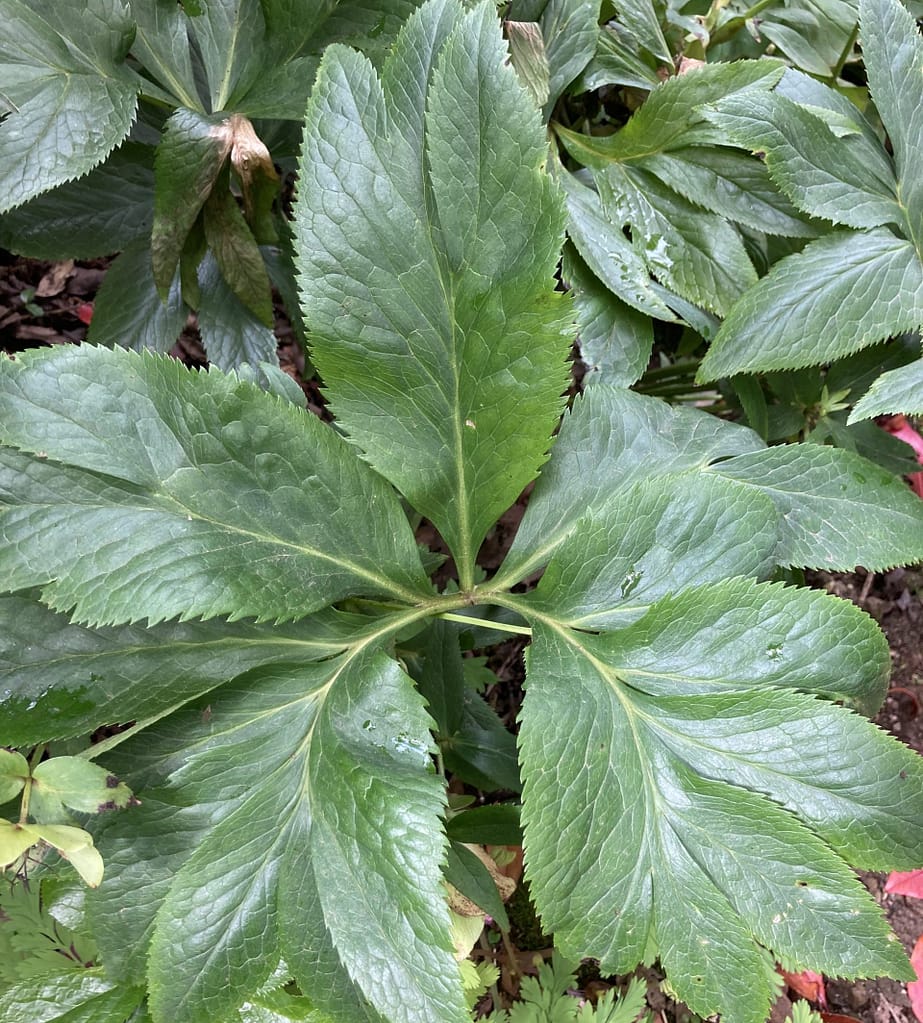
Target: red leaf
{"x":906,"y":883}
{"x":835,"y":1017}
{"x":84,"y":312}
{"x":808,"y":984}
{"x":915,"y":987}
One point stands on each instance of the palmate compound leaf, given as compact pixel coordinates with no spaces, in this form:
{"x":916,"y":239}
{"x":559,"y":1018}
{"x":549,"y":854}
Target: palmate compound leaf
{"x":68,"y":96}
{"x":428,"y":243}
{"x":687,"y":795}
{"x":145,"y":490}
{"x":298,"y":819}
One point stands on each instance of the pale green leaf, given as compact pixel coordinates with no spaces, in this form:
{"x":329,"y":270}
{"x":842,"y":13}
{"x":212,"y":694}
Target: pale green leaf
{"x":77,"y":784}
{"x":693,"y":252}
{"x":84,"y":996}
{"x":846,"y":178}
{"x":128,"y":310}
{"x":428,"y":246}
{"x":72,"y":99}
{"x":596,"y":232}
{"x":838,"y":509}
{"x":671,"y":117}
{"x":615,"y":340}
{"x":653,"y":539}
{"x":649,"y":870}
{"x":898,"y":390}
{"x":893,"y":55}
{"x":844,"y":292}
{"x":100,"y":213}
{"x":611,"y":439}
{"x":14,"y":772}
{"x":153,"y":491}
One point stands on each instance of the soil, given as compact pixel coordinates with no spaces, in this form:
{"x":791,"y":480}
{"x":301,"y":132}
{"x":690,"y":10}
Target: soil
{"x":44,"y":304}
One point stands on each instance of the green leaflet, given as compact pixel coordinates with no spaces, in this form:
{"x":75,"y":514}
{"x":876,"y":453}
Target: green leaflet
{"x":569,"y":30}
{"x":648,"y":869}
{"x":144,"y":321}
{"x":838,"y":509}
{"x":187,"y":471}
{"x":847,"y":291}
{"x":189,"y":160}
{"x":611,"y":439}
{"x":230,"y":36}
{"x":84,"y":996}
{"x":133,"y":670}
{"x":615,"y":340}
{"x":596,"y":232}
{"x":652,"y":539}
{"x":829,"y":170}
{"x":696,"y":253}
{"x":893,"y":54}
{"x":427,"y":251}
{"x":72,"y":98}
{"x":899,"y":390}
{"x":841,"y":293}
{"x":308,"y":773}
{"x":672,"y":116}
{"x":100,"y":213}
{"x":234,"y":336}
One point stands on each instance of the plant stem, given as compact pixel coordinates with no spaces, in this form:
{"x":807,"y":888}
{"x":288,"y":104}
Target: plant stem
{"x":34,"y":761}
{"x":520,"y":630}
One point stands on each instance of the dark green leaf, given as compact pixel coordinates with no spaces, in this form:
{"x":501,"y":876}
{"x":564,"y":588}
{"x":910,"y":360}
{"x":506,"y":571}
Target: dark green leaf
{"x":844,"y":292}
{"x":569,"y":29}
{"x":465,"y":871}
{"x":72,"y":100}
{"x":230,"y":35}
{"x":189,"y":161}
{"x":128,"y":310}
{"x":427,"y":254}
{"x":497,"y":824}
{"x":162,"y":476}
{"x":649,"y":868}
{"x":231,"y":333}
{"x":100,"y":213}
{"x":162,"y":45}
{"x":838,"y":509}
{"x":236,"y":253}
{"x":615,"y":340}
